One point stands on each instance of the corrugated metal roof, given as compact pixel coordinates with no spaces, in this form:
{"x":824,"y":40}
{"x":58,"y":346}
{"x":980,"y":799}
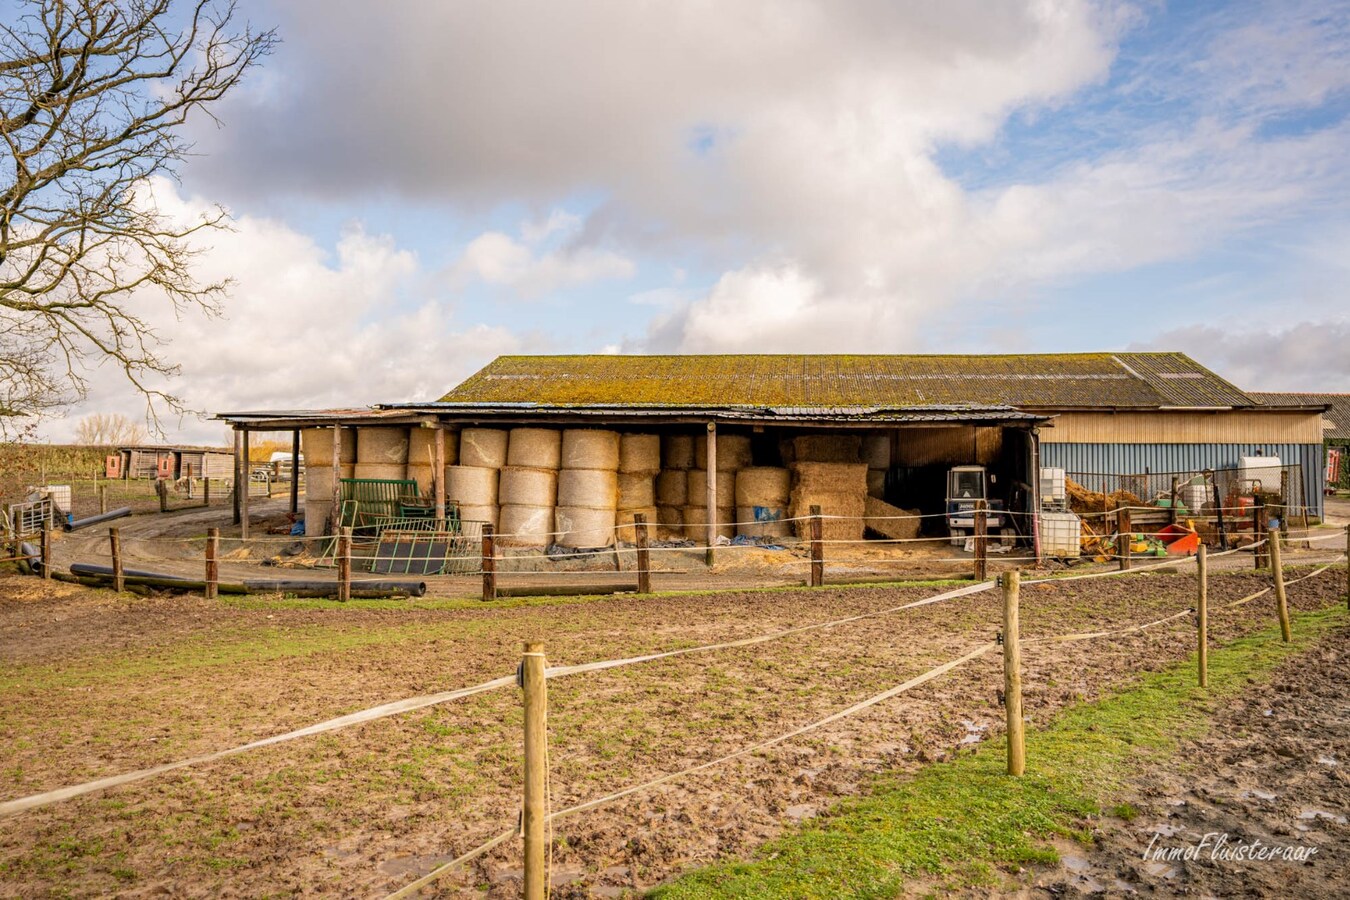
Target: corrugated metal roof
{"x":1338,"y":414}
{"x":1036,"y":381}
{"x":731,"y":413}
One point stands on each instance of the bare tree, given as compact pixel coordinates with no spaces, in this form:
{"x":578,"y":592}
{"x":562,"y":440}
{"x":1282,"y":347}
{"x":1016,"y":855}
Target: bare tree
{"x":109,"y":429}
{"x":93,"y":98}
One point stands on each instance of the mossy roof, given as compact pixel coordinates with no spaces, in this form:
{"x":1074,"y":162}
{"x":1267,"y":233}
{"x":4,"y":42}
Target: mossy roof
{"x":1338,"y":414}
{"x":1028,"y":381}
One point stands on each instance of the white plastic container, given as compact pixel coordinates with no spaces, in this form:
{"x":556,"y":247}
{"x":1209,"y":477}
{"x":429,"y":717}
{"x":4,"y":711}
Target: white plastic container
{"x":1053,"y":490}
{"x":1263,"y":469}
{"x":1061,"y":534}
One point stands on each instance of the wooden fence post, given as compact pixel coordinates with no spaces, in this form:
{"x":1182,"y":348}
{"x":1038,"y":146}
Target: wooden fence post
{"x":489,"y":564}
{"x":1258,"y":529}
{"x":1012,"y":673}
{"x":817,"y":549}
{"x":1347,"y":566}
{"x":162,"y":491}
{"x":115,"y":546}
{"x":246,"y":480}
{"x":46,"y":553}
{"x":1202,"y":614}
{"x":1175,"y":484}
{"x":206,"y":490}
{"x":1124,"y":537}
{"x":295,"y":472}
{"x":981,"y":538}
{"x":1277,"y":570}
{"x":102,"y":499}
{"x":344,"y":561}
{"x":212,"y":563}
{"x":534,"y":820}
{"x":644,"y":569}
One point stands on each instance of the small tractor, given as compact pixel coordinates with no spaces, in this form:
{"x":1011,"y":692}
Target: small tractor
{"x":965,"y":485}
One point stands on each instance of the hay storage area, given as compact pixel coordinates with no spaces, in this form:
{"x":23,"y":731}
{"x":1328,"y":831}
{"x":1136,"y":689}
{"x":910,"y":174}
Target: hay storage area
{"x":839,"y":489}
{"x":592,"y":488}
{"x":525,"y":526}
{"x":316,"y":444}
{"x":733,"y":452}
{"x":696,"y":522}
{"x":523,"y":486}
{"x":474,"y":486}
{"x":636,"y":491}
{"x":672,"y":488}
{"x":677,"y":452}
{"x":382,"y":446}
{"x":640,"y":454}
{"x":584,"y":528}
{"x":763,"y":521}
{"x":424,"y":475}
{"x":827,"y":448}
{"x":626,"y":531}
{"x":380,"y":471}
{"x":590,"y":448}
{"x":482,"y":448}
{"x":534,"y":448}
{"x":422,"y":447}
{"x":698,"y":488}
{"x":670,"y":520}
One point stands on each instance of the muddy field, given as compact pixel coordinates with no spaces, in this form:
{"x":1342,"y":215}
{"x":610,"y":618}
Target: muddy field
{"x":97,"y":685}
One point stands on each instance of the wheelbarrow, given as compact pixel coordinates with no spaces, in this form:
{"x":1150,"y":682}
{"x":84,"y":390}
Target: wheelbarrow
{"x":1179,"y":540}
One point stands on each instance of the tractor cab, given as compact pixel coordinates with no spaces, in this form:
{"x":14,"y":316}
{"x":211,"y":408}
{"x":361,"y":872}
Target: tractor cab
{"x":965,"y":485}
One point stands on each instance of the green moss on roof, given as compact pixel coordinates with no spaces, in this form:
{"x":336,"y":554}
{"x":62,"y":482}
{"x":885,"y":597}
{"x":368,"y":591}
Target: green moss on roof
{"x":1049,"y":381}
{"x":1338,"y":414}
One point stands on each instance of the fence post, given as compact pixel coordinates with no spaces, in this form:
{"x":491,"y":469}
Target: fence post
{"x":1175,"y":483}
{"x":102,"y":499}
{"x":1012,"y":673}
{"x":1347,"y":566}
{"x":644,"y":568}
{"x":489,"y":564}
{"x":46,"y":552}
{"x":534,"y":819}
{"x":1124,"y":537}
{"x":1259,"y":528}
{"x":981,"y":537}
{"x":1202,"y":614}
{"x":115,"y":546}
{"x":344,"y":561}
{"x":817,"y":549}
{"x":162,"y":491}
{"x":1277,"y":570}
{"x":212,"y":563}
{"x":206,"y":490}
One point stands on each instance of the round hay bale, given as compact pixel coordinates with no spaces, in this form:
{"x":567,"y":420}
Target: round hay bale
{"x":627,"y":530}
{"x":733,"y":452}
{"x":423,"y":475}
{"x":581,"y":527}
{"x":876,"y":483}
{"x":316,"y":516}
{"x":827,"y":448}
{"x":521,"y":486}
{"x":383,"y":446}
{"x":698,"y":488}
{"x":319,"y":480}
{"x":590,"y":448}
{"x":763,"y":521}
{"x":590,"y":488}
{"x":677,"y":451}
{"x":422,"y":447}
{"x":763,"y":486}
{"x":696,"y":522}
{"x":876,"y":451}
{"x":640,"y":453}
{"x":672,"y":487}
{"x":485,"y":514}
{"x":380,"y":471}
{"x":636,"y":491}
{"x":525,"y":526}
{"x":534,"y":448}
{"x":471,"y":486}
{"x":316,"y":445}
{"x":482,"y":448}
{"x":670,"y":523}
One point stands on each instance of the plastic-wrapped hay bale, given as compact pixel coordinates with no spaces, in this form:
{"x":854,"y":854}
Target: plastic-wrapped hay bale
{"x":385,"y":446}
{"x":827,"y":448}
{"x":763,"y":486}
{"x":698,"y":488}
{"x":422,"y":447}
{"x":593,"y":488}
{"x":482,"y":448}
{"x":471,"y":486}
{"x":522,"y":486}
{"x":671,"y":522}
{"x":636,"y":491}
{"x":763,"y":521}
{"x":640,"y":454}
{"x":380,"y":471}
{"x":316,"y":516}
{"x":876,"y":450}
{"x":317,"y":446}
{"x":590,"y":448}
{"x":581,"y":527}
{"x":672,"y":487}
{"x":423,"y":475}
{"x":696,"y":522}
{"x":839,"y":489}
{"x":876,"y":483}
{"x":535,"y":448}
{"x":627,"y":531}
{"x":677,"y":451}
{"x":485,"y":514}
{"x":733,"y":452}
{"x":525,"y":526}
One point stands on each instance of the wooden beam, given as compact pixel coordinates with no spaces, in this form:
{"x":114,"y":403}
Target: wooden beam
{"x":295,"y":472}
{"x":711,"y":497}
{"x":243,"y":494}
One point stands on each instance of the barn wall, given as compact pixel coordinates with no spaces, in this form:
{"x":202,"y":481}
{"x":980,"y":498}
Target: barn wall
{"x":949,"y":446}
{"x":1229,"y":427}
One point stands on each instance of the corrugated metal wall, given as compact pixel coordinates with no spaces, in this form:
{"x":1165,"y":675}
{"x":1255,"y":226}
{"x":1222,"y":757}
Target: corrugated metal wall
{"x":1133,"y":459}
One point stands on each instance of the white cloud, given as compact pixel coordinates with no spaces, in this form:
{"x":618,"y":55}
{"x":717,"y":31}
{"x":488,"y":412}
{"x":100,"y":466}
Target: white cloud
{"x":1307,"y":356}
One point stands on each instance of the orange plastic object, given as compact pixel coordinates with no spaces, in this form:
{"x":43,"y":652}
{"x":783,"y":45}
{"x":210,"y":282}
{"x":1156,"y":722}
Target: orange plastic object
{"x":1180,"y":541}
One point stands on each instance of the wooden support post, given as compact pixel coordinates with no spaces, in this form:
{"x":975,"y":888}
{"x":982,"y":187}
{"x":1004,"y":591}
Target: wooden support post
{"x":644,"y":567}
{"x":1277,"y":570}
{"x":206,"y":490}
{"x":1347,"y":566}
{"x":1175,"y":483}
{"x":336,"y":486}
{"x":243,"y":494}
{"x":46,"y":552}
{"x":1202,"y":613}
{"x":489,"y":564}
{"x":102,"y":499}
{"x":115,"y":546}
{"x":1012,"y":673}
{"x":438,"y":472}
{"x":344,"y":561}
{"x":981,"y":538}
{"x":1124,"y":536}
{"x":162,"y":491}
{"x":711,"y":498}
{"x":295,"y":472}
{"x":212,"y":563}
{"x":238,"y":467}
{"x":535,"y":816}
{"x":1259,"y":529}
{"x":817,"y":549}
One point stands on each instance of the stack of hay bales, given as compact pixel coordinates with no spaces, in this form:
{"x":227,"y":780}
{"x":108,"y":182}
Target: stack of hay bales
{"x":672,"y":484}
{"x":839,"y":489}
{"x":382,"y":453}
{"x":317,"y":447}
{"x":733,"y":454}
{"x":876,"y":452}
{"x":762,"y":498}
{"x":472,"y":484}
{"x":422,"y":457}
{"x":639,"y":463}
{"x":588,"y":488}
{"x":528,"y":487}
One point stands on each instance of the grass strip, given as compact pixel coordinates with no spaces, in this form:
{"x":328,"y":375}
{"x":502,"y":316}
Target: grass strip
{"x":964,"y":823}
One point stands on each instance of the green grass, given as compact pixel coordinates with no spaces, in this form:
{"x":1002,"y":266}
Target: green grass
{"x":966,"y":824}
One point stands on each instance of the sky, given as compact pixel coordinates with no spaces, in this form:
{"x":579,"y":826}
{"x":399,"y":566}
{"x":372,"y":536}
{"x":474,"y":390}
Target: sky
{"x":418,"y":187}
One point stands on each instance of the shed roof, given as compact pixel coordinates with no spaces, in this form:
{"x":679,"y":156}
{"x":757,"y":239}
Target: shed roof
{"x":1338,"y":414}
{"x":846,"y":382}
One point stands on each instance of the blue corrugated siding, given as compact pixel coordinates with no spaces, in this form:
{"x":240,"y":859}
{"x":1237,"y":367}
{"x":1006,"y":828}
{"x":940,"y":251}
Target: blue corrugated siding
{"x":1132,"y":459}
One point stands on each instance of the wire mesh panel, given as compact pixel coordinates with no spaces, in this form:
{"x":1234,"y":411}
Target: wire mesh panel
{"x":1192,"y":493}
